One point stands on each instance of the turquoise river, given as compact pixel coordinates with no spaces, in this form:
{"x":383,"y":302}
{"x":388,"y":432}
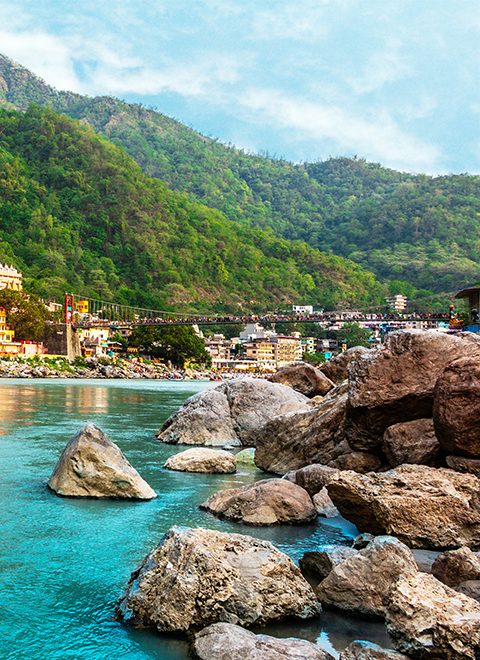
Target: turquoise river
{"x":64,"y":562}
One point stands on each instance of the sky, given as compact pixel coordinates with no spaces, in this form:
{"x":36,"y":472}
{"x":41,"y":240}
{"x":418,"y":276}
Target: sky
{"x":392,"y":81}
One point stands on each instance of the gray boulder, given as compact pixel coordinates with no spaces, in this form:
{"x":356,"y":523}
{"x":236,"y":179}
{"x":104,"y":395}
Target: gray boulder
{"x":91,"y":465}
{"x":324,"y":505}
{"x":411,"y":442}
{"x":196,"y":577}
{"x":231,"y":413}
{"x":304,"y":378}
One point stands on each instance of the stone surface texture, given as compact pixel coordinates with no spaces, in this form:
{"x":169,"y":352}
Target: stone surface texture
{"x":318,"y":564}
{"x":462,"y":464}
{"x":337,"y":368}
{"x":411,"y":442}
{"x":202,"y":459}
{"x":363,"y":582}
{"x":91,"y":465}
{"x":395,"y":383}
{"x":266,"y":502}
{"x":358,"y":461}
{"x":360,"y":650}
{"x":304,"y":378}
{"x":230,"y":413}
{"x":312,"y":477}
{"x":455,"y":566}
{"x":226,"y":641}
{"x":324,"y":505}
{"x":427,"y":619}
{"x":423,"y":506}
{"x":196,"y":577}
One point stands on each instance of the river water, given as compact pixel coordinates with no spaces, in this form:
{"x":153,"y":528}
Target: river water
{"x":64,"y":562}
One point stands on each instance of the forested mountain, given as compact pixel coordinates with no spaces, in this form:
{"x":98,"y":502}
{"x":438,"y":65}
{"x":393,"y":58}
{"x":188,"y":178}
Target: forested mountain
{"x":417,"y":231}
{"x":77,"y":213}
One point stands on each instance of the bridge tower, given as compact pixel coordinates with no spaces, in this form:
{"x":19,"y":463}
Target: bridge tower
{"x":68,"y":308}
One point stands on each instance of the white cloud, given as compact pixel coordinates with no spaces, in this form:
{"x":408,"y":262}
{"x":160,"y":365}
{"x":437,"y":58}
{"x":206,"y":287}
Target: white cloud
{"x":383,"y":66}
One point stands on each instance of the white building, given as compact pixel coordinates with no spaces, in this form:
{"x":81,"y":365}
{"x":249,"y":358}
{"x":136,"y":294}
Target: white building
{"x":255,"y":331}
{"x":303,"y":309}
{"x":398,"y":303}
{"x":10,"y":278}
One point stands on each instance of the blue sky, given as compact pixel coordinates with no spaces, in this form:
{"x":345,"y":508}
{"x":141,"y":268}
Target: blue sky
{"x":394,"y":81}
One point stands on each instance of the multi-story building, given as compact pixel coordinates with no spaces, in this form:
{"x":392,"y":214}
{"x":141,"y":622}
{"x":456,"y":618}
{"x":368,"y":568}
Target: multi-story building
{"x":274,"y":352}
{"x":302,"y":309}
{"x":10,"y":278}
{"x":397,"y":303}
{"x":221,"y":350}
{"x":94,"y":341}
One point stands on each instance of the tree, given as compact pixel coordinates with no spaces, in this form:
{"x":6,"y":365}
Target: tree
{"x":353,"y":335}
{"x":26,"y":314}
{"x":177,"y":344}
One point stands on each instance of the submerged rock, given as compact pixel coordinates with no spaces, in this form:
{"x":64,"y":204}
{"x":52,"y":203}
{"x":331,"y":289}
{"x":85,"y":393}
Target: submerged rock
{"x":363,"y":582}
{"x":360,"y":650}
{"x":196,"y":577}
{"x":266,"y":502}
{"x":226,"y":641}
{"x":201,"y":459}
{"x":411,"y":442}
{"x":424,"y":507}
{"x":91,"y":465}
{"x":230,"y":413}
{"x":427,"y":619}
{"x":304,"y":379}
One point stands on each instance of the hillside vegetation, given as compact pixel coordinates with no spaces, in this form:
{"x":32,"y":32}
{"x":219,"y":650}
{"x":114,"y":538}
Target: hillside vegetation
{"x":77,"y":213}
{"x":419,"y":232}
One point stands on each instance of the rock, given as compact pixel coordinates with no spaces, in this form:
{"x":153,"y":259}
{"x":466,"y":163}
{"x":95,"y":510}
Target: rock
{"x":196,"y":577}
{"x":363,"y":583}
{"x":226,"y":641}
{"x":230,"y":413}
{"x":395,"y":383}
{"x":201,"y":459}
{"x":457,"y":406}
{"x":324,"y":505}
{"x":362,"y":540}
{"x":302,"y":438}
{"x":455,"y":566}
{"x":304,"y":378}
{"x":91,"y":465}
{"x":425,"y":559}
{"x":337,"y":367}
{"x":246,"y":456}
{"x":461,"y":464}
{"x":423,"y":506}
{"x":267,"y":502}
{"x":427,"y":619}
{"x":411,"y":442}
{"x":358,"y":461}
{"x":312,"y":477}
{"x":360,"y":650}
{"x":470,"y":588}
{"x":318,"y":564}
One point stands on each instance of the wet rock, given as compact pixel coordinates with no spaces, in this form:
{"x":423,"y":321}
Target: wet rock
{"x":364,"y":582}
{"x":455,"y":566}
{"x":225,"y":641}
{"x":411,"y":442}
{"x":358,"y":461}
{"x":246,"y":456}
{"x":324,"y":505}
{"x":423,"y":506}
{"x":91,"y":465}
{"x":230,"y":413}
{"x":302,"y":438}
{"x":462,"y":464}
{"x":427,"y":619}
{"x":318,"y":564}
{"x":312,"y":477}
{"x":456,"y":407}
{"x":201,"y":459}
{"x":360,"y":650}
{"x":267,"y":502}
{"x":304,"y":378}
{"x":196,"y":577}
{"x":337,"y":367}
{"x":395,"y":383}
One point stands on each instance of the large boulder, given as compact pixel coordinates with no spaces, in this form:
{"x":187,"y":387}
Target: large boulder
{"x":423,"y":506}
{"x":427,"y":619}
{"x":202,"y":459}
{"x":324,"y":505}
{"x":302,"y":438}
{"x":226,"y":641}
{"x":91,"y":465}
{"x":456,"y":408}
{"x":304,"y":379}
{"x":455,"y":566}
{"x":267,"y":502}
{"x":395,"y":383}
{"x":317,"y":564}
{"x":337,"y":368}
{"x":462,"y":464}
{"x":312,"y":477}
{"x":360,"y":650}
{"x":358,"y":461}
{"x":196,"y":577}
{"x":230,"y":413}
{"x":411,"y":442}
{"x":363,"y":582}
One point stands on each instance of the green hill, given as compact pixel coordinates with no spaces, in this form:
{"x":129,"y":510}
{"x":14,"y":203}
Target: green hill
{"x":418,"y":232}
{"x":77,"y":213}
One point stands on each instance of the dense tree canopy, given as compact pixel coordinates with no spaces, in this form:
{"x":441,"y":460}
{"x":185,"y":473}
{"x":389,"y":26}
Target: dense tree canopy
{"x":26,"y":314}
{"x":177,"y":345}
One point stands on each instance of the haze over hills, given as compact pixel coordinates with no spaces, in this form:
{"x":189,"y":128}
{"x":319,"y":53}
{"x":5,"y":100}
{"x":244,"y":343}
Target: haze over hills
{"x":415,"y":231}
